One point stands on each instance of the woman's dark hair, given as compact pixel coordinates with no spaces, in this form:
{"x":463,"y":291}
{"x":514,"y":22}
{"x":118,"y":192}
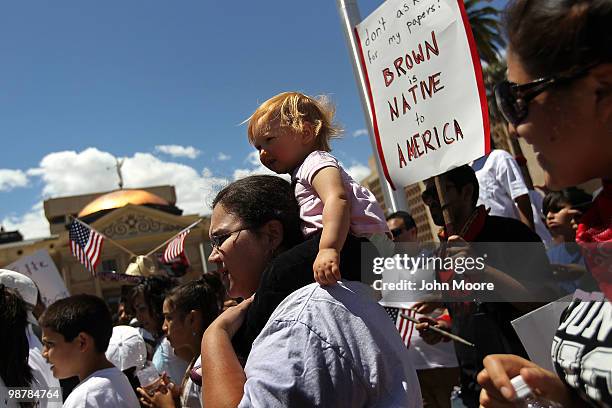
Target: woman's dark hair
{"x":259,"y":199}
{"x":576,"y":198}
{"x":205,"y":294}
{"x":154,"y":290}
{"x":559,"y":36}
{"x":14,"y":368}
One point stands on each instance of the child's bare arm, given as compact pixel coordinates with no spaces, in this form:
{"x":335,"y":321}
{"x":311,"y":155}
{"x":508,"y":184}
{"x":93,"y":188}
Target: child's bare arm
{"x":328,"y":184}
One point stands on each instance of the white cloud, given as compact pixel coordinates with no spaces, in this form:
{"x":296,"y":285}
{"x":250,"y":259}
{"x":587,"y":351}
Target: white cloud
{"x":71,"y":173}
{"x":194,"y":191}
{"x":360,"y":132}
{"x":358,"y":171}
{"x":10,"y":179}
{"x":32,"y":224}
{"x":178,"y":151}
{"x":223,"y":157}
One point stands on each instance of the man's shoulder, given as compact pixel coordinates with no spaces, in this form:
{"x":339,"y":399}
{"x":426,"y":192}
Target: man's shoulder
{"x":330,"y":306}
{"x":505,"y":229}
{"x":499,"y":155}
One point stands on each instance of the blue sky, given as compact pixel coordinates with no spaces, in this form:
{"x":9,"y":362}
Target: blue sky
{"x":164,"y":85}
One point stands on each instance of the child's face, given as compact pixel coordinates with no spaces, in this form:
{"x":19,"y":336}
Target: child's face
{"x":176,"y":328}
{"x":61,"y":354}
{"x":281,"y":149}
{"x":559,"y":222}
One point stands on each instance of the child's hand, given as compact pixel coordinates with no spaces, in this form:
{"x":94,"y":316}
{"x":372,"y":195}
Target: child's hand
{"x":327,"y":267}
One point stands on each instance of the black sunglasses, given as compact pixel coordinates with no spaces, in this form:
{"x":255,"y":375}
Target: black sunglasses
{"x":217,"y":240}
{"x":430,"y":194}
{"x":513,"y":99}
{"x":396,"y":232}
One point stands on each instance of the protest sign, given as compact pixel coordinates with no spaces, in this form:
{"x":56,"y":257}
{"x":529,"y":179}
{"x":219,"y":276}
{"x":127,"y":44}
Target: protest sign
{"x":425,"y":87}
{"x":537,"y":330}
{"x":40,"y":268}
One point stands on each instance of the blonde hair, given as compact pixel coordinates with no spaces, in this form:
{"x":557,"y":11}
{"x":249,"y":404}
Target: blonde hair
{"x":293,"y":109}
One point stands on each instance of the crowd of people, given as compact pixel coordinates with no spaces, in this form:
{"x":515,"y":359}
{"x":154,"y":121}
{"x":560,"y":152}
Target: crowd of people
{"x":289,"y":318}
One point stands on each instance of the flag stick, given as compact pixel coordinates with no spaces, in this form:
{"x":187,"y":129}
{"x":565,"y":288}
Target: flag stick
{"x":104,"y":236}
{"x":174,"y":236}
{"x":439,"y":331}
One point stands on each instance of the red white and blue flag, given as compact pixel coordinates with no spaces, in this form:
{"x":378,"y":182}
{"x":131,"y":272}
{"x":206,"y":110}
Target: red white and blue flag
{"x":404,"y":326}
{"x":175,"y":247}
{"x":86,"y":245}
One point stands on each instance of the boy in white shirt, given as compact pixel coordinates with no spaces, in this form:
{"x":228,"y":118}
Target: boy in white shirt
{"x":76,"y":333}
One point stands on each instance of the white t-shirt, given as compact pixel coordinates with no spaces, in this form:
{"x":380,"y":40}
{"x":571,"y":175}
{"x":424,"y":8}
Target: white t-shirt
{"x":427,"y":356}
{"x":330,"y":346}
{"x":540,"y":226}
{"x":5,"y":402}
{"x":103,"y":388}
{"x":500,"y":181}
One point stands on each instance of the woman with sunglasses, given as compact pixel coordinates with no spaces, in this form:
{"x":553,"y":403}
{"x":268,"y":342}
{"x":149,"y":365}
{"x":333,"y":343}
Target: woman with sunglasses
{"x":323,"y":346}
{"x":558,"y":97}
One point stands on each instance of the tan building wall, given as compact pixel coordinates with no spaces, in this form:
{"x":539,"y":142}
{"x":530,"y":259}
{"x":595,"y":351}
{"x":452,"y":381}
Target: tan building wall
{"x":138,"y":228}
{"x":427,"y":230}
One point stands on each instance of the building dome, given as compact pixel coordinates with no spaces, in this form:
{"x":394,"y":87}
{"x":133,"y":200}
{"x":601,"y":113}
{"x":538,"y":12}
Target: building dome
{"x":121,"y":198}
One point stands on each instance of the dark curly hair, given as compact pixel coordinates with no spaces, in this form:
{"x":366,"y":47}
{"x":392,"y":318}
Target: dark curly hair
{"x":205,"y":294}
{"x":576,"y":198}
{"x":154,"y":290}
{"x":559,"y":36}
{"x":14,"y":369}
{"x":259,"y":199}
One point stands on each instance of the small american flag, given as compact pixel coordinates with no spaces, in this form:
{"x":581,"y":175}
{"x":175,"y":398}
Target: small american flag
{"x":175,"y":247}
{"x":404,"y":326}
{"x":86,"y":245}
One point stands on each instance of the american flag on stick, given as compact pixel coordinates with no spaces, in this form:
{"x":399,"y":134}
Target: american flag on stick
{"x":404,"y":326}
{"x":175,"y":247}
{"x":85,"y":244}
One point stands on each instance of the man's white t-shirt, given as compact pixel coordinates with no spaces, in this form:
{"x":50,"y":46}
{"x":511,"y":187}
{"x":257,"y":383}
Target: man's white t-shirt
{"x":500,"y":182}
{"x":103,"y":388}
{"x":540,"y":226}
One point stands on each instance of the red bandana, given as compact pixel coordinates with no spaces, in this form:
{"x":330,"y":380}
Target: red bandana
{"x":594,"y":235}
{"x":472,"y":226}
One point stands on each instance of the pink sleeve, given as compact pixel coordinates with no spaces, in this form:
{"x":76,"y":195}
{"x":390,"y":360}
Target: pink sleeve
{"x":314,"y":162}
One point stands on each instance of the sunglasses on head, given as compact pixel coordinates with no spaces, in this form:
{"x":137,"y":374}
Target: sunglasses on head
{"x":217,"y":240}
{"x":513,"y":99}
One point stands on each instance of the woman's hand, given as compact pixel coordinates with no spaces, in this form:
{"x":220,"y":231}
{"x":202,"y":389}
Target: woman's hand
{"x":497,"y":391}
{"x":163,"y":397}
{"x":229,"y":303}
{"x":223,"y":377}
{"x":230,"y":320}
